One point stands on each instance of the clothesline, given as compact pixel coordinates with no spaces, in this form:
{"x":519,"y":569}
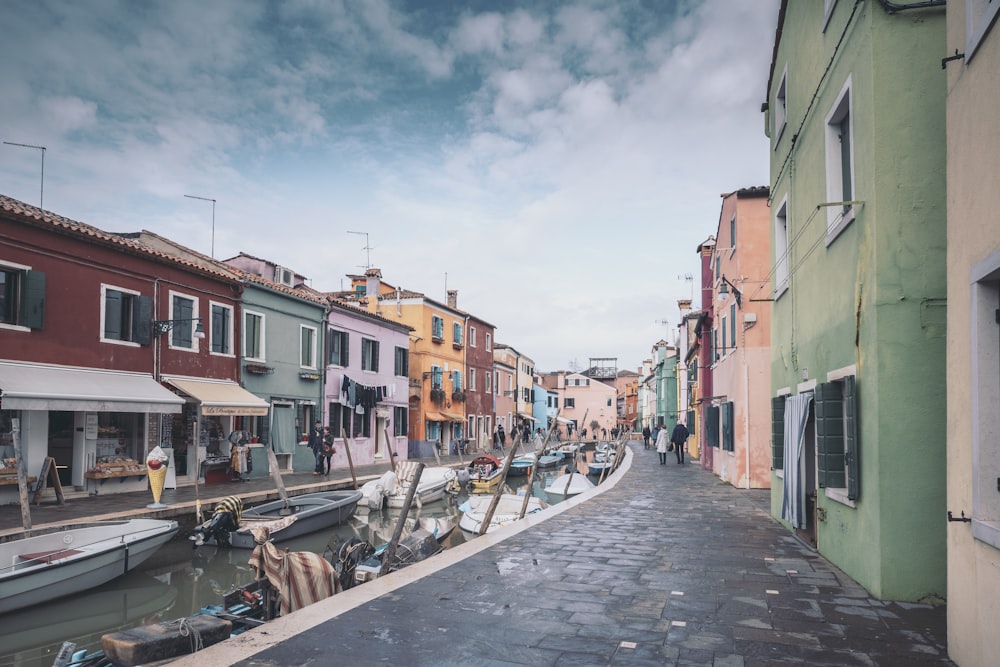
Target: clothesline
{"x":360,"y":397}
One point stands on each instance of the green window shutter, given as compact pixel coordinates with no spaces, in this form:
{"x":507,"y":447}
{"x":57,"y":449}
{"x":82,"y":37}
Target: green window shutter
{"x":778,"y":433}
{"x":113,"y":314}
{"x":142,"y":320}
{"x":830,"y":435}
{"x":712,"y":425}
{"x":852,"y":454}
{"x":727,"y":427}
{"x":32,"y":313}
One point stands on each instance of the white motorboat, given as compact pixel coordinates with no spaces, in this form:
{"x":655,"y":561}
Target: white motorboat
{"x":567,"y":485}
{"x":435,"y":481}
{"x":83,"y":556}
{"x":508,"y":510}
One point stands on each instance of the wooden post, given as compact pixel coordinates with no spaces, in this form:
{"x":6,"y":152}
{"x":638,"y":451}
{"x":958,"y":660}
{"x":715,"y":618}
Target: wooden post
{"x":350,"y":459}
{"x":390,"y":551}
{"x":500,"y":487}
{"x":392,"y":454}
{"x":531,"y":474}
{"x":22,"y":475}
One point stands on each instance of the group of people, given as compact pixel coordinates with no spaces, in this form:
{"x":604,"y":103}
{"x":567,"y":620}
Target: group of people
{"x":321,"y":444}
{"x":665,"y":441}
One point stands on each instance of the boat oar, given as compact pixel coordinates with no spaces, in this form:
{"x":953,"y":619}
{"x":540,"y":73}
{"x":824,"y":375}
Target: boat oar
{"x":272,"y":463}
{"x":500,"y":487}
{"x":390,"y":551}
{"x":350,"y":460}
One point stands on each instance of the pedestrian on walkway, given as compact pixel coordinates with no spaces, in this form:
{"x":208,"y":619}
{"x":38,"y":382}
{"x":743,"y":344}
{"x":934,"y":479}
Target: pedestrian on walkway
{"x":679,"y":439}
{"x":662,"y":443}
{"x":327,"y":452}
{"x":316,"y":445}
{"x":645,"y":437}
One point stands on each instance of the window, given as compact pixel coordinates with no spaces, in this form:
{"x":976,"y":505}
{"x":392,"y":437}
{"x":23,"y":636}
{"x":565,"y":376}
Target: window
{"x":489,"y":382}
{"x":472,"y":379}
{"x":609,"y":403}
{"x":732,"y":324}
{"x":780,"y":107}
{"x":183,"y":309}
{"x":22,"y":296}
{"x":723,"y":328}
{"x":127,"y":316}
{"x":569,"y":402}
{"x":456,"y":334}
{"x":472,"y":336}
{"x":979,"y":18}
{"x":456,"y":380}
{"x":399,"y":421}
{"x":732,"y":232}
{"x":340,"y":419}
{"x":839,"y":164}
{"x":338,"y":347}
{"x":222,"y":329}
{"x":253,"y":336}
{"x":307,"y":347}
{"x":712,"y":425}
{"x":489,"y":342}
{"x":781,"y":248}
{"x":401,"y":362}
{"x":728,"y":440}
{"x":837,"y":449}
{"x":437,"y":377}
{"x":362,"y":423}
{"x":433,"y":430}
{"x":369,"y":355}
{"x":437,"y":328}
{"x":984,"y":338}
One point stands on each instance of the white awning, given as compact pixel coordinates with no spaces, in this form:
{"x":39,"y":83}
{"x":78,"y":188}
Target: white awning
{"x":221,"y":397}
{"x":563,"y":420}
{"x":525,"y":415}
{"x":26,"y":386}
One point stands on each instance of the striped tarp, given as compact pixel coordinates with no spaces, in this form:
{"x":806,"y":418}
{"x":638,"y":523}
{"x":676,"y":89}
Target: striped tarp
{"x":301,"y":577}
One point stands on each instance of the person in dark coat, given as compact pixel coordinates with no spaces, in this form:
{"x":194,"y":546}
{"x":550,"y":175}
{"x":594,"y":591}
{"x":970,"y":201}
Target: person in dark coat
{"x":645,"y":437}
{"x":678,"y":438}
{"x":316,"y":445}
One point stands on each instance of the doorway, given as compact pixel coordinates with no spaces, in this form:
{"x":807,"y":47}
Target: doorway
{"x":807,"y":532}
{"x":61,"y":429}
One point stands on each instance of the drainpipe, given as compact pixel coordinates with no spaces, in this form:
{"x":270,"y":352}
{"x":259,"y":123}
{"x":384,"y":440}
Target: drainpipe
{"x":746,"y":409}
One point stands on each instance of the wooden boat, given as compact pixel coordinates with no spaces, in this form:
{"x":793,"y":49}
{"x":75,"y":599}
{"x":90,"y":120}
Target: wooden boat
{"x":508,"y":510}
{"x":569,"y":449}
{"x":550,"y":458}
{"x":360,"y":562}
{"x":305,"y":514}
{"x":595,"y":468}
{"x":558,"y":488}
{"x":435,"y":481}
{"x":484,"y":474}
{"x":83,"y":556}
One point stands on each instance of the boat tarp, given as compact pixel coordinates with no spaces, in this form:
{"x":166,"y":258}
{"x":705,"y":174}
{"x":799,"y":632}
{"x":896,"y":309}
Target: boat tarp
{"x":301,"y":577}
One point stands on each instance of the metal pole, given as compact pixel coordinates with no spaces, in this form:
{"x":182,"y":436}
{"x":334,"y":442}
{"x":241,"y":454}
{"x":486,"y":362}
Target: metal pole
{"x":41,"y":194}
{"x":213,"y":218}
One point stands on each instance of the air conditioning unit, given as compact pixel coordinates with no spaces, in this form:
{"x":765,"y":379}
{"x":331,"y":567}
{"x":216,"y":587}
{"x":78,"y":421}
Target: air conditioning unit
{"x":284,"y":276}
{"x":749,"y":318}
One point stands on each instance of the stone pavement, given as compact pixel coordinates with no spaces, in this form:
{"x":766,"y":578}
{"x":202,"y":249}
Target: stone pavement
{"x":666,"y":565}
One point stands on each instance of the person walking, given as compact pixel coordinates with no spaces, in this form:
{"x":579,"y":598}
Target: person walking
{"x":662,"y":444}
{"x":316,"y":445}
{"x":645,"y":437}
{"x":678,"y":439}
{"x":327,"y":451}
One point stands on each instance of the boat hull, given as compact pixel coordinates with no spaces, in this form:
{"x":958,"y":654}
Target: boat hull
{"x":578,"y":484}
{"x":312,"y":512}
{"x":434,"y":483}
{"x":508,"y":510}
{"x":47,"y":567}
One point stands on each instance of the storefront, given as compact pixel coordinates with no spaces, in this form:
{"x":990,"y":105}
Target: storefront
{"x":95,"y":424}
{"x":217,"y":414}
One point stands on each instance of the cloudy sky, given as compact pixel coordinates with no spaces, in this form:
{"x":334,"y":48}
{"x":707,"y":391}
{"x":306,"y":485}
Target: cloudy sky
{"x":556,"y":162}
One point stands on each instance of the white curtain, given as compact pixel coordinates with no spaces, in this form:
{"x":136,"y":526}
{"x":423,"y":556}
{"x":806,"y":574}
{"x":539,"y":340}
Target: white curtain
{"x":282,"y":429}
{"x":793,"y":496}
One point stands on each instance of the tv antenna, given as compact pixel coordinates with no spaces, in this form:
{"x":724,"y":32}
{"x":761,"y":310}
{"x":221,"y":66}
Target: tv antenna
{"x":367,"y":249}
{"x":666,"y":325}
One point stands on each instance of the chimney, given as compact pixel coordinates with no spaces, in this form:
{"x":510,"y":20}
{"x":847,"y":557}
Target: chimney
{"x":684,"y":305}
{"x":453,"y":298}
{"x":373,"y":283}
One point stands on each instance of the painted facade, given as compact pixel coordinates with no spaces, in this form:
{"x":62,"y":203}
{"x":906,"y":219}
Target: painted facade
{"x":479,"y":395}
{"x":704,"y":442}
{"x":973,"y":382}
{"x":856,"y":120}
{"x":742,"y":373}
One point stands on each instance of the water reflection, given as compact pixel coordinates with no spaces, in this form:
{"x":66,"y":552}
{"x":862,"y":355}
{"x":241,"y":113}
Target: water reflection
{"x":178,"y":581}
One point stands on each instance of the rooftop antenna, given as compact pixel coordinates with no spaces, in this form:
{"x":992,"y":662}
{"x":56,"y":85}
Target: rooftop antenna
{"x":689,"y":278}
{"x":41,"y":194}
{"x":213,"y":218}
{"x":666,"y":324}
{"x":367,"y":249}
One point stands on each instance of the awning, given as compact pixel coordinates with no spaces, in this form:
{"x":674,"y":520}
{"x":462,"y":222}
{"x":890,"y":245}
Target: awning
{"x":434,"y":417}
{"x":46,"y":387}
{"x":563,"y":420}
{"x":525,"y":415}
{"x":221,"y":397}
{"x":451,"y":417}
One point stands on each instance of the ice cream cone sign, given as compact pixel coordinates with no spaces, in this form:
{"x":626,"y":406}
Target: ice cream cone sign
{"x":156,"y":469}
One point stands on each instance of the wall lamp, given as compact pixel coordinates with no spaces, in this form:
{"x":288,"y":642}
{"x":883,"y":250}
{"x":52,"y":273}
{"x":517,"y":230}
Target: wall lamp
{"x":161,"y":327}
{"x":724,"y":290}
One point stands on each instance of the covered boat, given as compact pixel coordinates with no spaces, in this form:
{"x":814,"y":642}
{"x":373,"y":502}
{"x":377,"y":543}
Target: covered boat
{"x":522,"y":464}
{"x":434,"y":482}
{"x":83,"y":556}
{"x":508,"y":510}
{"x":568,"y":485}
{"x":484,"y":473}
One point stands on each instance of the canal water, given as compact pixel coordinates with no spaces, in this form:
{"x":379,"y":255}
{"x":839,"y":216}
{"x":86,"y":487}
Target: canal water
{"x":178,"y":581}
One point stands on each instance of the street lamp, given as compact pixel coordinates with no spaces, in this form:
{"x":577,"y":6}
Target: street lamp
{"x":161,"y":327}
{"x":724,"y":291}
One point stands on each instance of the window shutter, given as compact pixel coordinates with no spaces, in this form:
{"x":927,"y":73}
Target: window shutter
{"x":851,"y":438}
{"x":830,"y":435}
{"x":728,"y":412}
{"x":32,"y":313}
{"x":712,"y":425}
{"x":778,"y":433}
{"x":142,"y":320}
{"x":113,"y":314}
